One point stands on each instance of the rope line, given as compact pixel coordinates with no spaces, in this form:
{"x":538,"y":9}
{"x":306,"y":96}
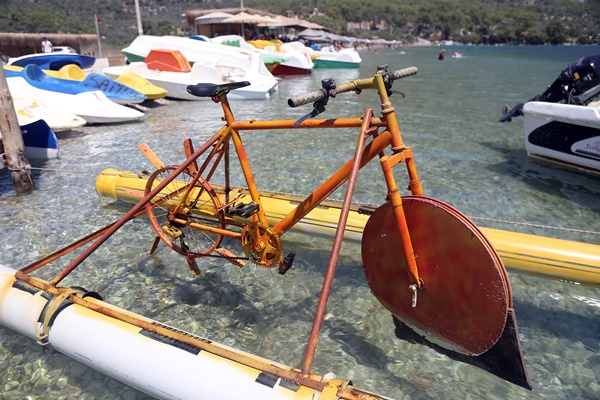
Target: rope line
{"x":80,"y":172}
{"x":536,"y":225}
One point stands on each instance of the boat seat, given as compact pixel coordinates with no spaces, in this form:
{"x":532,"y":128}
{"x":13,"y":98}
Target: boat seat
{"x":211,"y":89}
{"x":167,"y":60}
{"x":35,"y":73}
{"x":228,"y":72}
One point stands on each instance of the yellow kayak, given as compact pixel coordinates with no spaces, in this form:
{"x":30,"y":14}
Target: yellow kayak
{"x":522,"y":253}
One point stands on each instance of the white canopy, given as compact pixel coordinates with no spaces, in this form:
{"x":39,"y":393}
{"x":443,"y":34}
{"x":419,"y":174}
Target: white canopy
{"x":245,"y":18}
{"x":212,"y":18}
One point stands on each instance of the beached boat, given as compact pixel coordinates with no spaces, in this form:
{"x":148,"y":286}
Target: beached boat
{"x":92,"y":106}
{"x":562,"y":125}
{"x":54,"y":61}
{"x":130,"y":79}
{"x":115,"y":91}
{"x":39,"y":140}
{"x":30,"y":109}
{"x":170,"y":70}
{"x":224,"y":58}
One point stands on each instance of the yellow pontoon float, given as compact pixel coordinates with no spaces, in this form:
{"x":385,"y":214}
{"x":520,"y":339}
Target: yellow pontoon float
{"x":523,"y":253}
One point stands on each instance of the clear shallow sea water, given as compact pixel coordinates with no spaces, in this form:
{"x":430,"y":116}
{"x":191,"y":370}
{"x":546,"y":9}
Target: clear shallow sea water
{"x":464,"y":157}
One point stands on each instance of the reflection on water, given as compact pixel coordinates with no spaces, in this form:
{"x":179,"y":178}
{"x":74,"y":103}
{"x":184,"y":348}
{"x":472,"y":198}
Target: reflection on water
{"x":464,"y":157}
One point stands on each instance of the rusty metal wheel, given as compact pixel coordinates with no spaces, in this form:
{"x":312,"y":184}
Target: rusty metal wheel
{"x":464,"y":303}
{"x":173,"y":214}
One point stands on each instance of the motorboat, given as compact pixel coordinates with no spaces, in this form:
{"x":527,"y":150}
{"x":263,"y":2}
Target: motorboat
{"x":170,"y":70}
{"x":115,"y":91}
{"x":562,"y":124}
{"x":206,"y":53}
{"x":54,"y":60}
{"x":92,"y":106}
{"x":565,"y":134}
{"x":30,"y":109}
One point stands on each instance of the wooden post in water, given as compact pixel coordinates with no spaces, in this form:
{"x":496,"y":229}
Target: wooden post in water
{"x":14,"y":149}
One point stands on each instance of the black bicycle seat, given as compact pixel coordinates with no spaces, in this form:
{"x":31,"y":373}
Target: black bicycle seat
{"x":212,"y":89}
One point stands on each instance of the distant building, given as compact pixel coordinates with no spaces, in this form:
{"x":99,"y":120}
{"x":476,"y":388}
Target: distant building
{"x":19,"y":44}
{"x":216,"y":22}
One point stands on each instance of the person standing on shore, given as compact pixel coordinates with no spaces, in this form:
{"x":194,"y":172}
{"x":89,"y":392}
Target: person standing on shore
{"x":46,"y":46}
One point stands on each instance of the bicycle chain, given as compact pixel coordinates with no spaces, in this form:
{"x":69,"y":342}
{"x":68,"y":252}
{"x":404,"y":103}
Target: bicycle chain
{"x":238,"y":224}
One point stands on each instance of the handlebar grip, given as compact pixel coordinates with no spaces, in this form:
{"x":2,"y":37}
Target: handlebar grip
{"x":306,"y":98}
{"x":404,"y":72}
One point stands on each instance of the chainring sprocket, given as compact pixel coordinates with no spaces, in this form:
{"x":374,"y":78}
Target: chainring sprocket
{"x":261,"y":245}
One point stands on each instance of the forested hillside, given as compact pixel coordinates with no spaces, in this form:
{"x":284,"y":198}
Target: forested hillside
{"x":466,"y":21}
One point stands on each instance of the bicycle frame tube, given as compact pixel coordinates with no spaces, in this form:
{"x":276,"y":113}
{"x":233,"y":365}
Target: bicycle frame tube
{"x":371,"y":151}
{"x":391,"y":136}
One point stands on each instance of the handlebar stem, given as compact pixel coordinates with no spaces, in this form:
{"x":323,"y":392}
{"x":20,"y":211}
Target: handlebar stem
{"x":389,"y":115}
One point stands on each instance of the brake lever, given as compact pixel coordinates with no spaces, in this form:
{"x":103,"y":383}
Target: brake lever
{"x":311,"y":114}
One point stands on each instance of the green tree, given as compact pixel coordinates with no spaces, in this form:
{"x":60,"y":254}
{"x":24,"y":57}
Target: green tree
{"x":148,"y":27}
{"x":165,"y":27}
{"x":536,"y":36}
{"x":556,"y":31}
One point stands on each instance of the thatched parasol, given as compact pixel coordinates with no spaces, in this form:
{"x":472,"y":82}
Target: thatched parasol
{"x":18,"y":44}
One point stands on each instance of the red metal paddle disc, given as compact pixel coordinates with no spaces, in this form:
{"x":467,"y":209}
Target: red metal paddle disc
{"x":464,"y":303}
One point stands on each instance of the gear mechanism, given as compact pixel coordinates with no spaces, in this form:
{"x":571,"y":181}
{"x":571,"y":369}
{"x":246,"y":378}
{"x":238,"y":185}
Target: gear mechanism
{"x":261,"y":244}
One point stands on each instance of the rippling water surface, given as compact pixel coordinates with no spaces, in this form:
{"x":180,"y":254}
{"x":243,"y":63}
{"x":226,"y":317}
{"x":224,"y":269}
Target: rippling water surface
{"x":464,"y":157}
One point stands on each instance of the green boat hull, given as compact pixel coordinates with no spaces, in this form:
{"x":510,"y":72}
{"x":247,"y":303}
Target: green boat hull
{"x":334,"y":64}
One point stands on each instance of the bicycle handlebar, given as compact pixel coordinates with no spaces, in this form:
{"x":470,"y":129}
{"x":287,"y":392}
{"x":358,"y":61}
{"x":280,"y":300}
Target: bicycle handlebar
{"x":307,"y":98}
{"x":404,"y":72}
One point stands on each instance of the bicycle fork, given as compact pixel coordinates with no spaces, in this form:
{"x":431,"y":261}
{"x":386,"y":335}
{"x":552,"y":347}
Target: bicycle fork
{"x":395,"y":200}
{"x":401,"y":153}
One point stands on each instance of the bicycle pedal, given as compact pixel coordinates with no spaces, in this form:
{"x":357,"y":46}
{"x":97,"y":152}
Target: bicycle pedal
{"x":172,"y":231}
{"x":230,"y":257}
{"x":246,"y":210}
{"x":286,"y":264}
{"x":366,"y":210}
